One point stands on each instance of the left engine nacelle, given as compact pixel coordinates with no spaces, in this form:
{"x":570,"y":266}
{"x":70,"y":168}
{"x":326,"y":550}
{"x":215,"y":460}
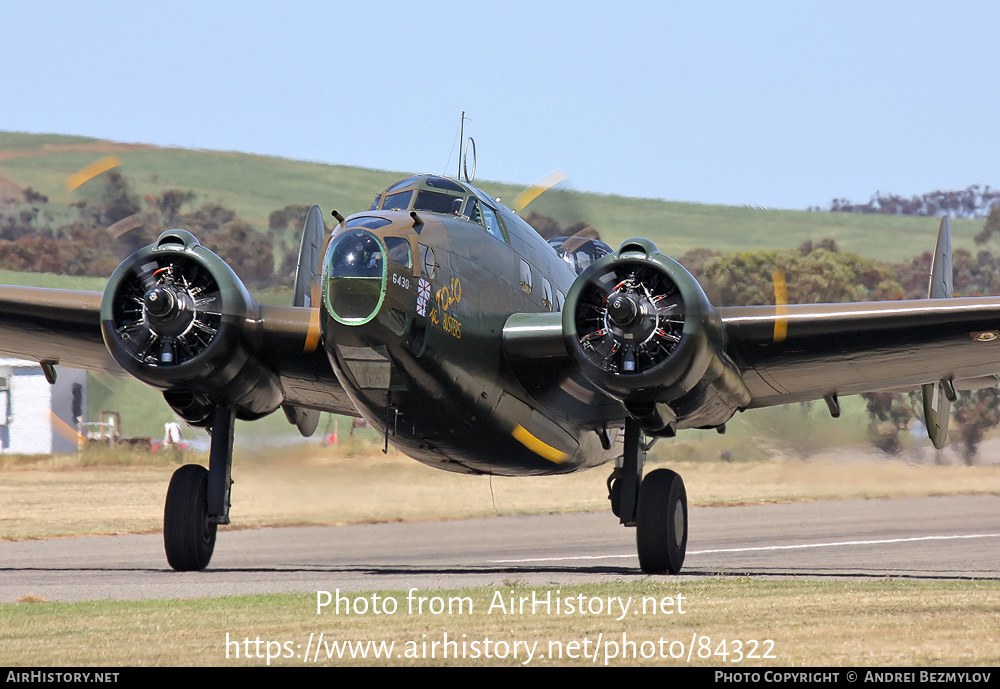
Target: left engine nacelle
{"x":176,"y":316}
{"x":642,"y":330}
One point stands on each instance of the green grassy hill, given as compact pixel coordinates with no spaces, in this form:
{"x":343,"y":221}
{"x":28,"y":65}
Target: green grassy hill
{"x":257,"y":185}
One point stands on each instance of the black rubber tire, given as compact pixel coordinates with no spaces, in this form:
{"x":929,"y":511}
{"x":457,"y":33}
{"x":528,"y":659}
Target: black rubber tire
{"x":188,"y":535}
{"x":662,"y":523}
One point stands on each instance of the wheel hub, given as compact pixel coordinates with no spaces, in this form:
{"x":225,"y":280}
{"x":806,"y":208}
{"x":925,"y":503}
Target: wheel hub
{"x":679,"y":525}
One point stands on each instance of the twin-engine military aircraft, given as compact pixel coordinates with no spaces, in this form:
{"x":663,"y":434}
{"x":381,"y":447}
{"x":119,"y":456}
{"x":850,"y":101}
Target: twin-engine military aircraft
{"x":475,"y":346}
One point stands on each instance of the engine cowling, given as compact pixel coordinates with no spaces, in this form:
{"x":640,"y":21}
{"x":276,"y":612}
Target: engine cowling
{"x":177,"y":317}
{"x":642,"y":330}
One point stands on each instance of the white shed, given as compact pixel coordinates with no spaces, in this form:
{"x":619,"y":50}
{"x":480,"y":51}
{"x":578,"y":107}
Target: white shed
{"x":38,"y":418}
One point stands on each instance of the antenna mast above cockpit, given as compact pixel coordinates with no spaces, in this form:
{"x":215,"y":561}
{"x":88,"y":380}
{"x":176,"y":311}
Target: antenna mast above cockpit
{"x":463,"y":150}
{"x":461,"y":144}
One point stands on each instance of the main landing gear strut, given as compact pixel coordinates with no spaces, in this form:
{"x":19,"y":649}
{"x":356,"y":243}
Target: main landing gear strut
{"x":198,"y":500}
{"x":656,"y":506}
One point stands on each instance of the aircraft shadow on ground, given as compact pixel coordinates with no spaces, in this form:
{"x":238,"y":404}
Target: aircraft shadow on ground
{"x":382,"y":570}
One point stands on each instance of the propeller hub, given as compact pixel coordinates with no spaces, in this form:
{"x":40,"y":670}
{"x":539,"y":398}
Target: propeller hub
{"x":159,"y":302}
{"x":168,"y":311}
{"x":623,"y":309}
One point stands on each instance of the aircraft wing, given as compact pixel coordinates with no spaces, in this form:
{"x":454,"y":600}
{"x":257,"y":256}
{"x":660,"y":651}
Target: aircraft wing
{"x":807,"y":351}
{"x":57,"y":325}
{"x":291,"y":347}
{"x":803,"y":352}
{"x":64,"y":327}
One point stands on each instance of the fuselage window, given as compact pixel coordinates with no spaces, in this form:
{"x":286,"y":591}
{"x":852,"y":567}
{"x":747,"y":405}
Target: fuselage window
{"x":399,"y":250}
{"x":427,"y":262}
{"x":546,"y":294}
{"x":376,"y":202}
{"x":525,"y":277}
{"x":397,"y":202}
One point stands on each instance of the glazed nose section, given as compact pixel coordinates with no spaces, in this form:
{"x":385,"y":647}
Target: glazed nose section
{"x":355,"y":268}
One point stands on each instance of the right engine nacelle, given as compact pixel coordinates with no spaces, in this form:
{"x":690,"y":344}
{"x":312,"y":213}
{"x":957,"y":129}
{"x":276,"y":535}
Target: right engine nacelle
{"x":642,"y":330}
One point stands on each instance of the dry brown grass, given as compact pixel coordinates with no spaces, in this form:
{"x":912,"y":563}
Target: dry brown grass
{"x":315,"y":485}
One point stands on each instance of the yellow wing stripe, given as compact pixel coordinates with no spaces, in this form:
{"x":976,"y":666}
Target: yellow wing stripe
{"x":541,"y":449}
{"x":780,"y":306}
{"x":312,"y":336}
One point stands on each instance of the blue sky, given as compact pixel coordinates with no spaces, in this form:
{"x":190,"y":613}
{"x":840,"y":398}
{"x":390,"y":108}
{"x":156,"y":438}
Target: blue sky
{"x":778,"y":104}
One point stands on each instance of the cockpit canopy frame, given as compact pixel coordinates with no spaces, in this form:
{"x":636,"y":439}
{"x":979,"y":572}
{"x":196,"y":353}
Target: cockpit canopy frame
{"x":444,"y":196}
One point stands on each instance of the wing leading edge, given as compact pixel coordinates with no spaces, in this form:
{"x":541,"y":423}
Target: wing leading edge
{"x":64,"y":327}
{"x":61,"y":326}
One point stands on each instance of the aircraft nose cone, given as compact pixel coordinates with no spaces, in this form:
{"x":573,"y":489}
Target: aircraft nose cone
{"x":159,"y":302}
{"x":622,"y":309}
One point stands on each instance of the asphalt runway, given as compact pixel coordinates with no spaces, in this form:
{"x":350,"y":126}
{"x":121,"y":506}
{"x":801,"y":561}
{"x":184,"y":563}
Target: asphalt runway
{"x":924,"y":538}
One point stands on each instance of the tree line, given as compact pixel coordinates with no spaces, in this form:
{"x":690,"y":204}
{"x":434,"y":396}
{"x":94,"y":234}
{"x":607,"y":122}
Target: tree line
{"x":93,"y":235}
{"x":821,"y":273}
{"x":972,"y":202}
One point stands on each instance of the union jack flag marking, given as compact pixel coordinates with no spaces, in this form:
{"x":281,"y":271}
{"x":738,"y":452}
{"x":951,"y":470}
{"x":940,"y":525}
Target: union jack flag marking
{"x":423,"y":296}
